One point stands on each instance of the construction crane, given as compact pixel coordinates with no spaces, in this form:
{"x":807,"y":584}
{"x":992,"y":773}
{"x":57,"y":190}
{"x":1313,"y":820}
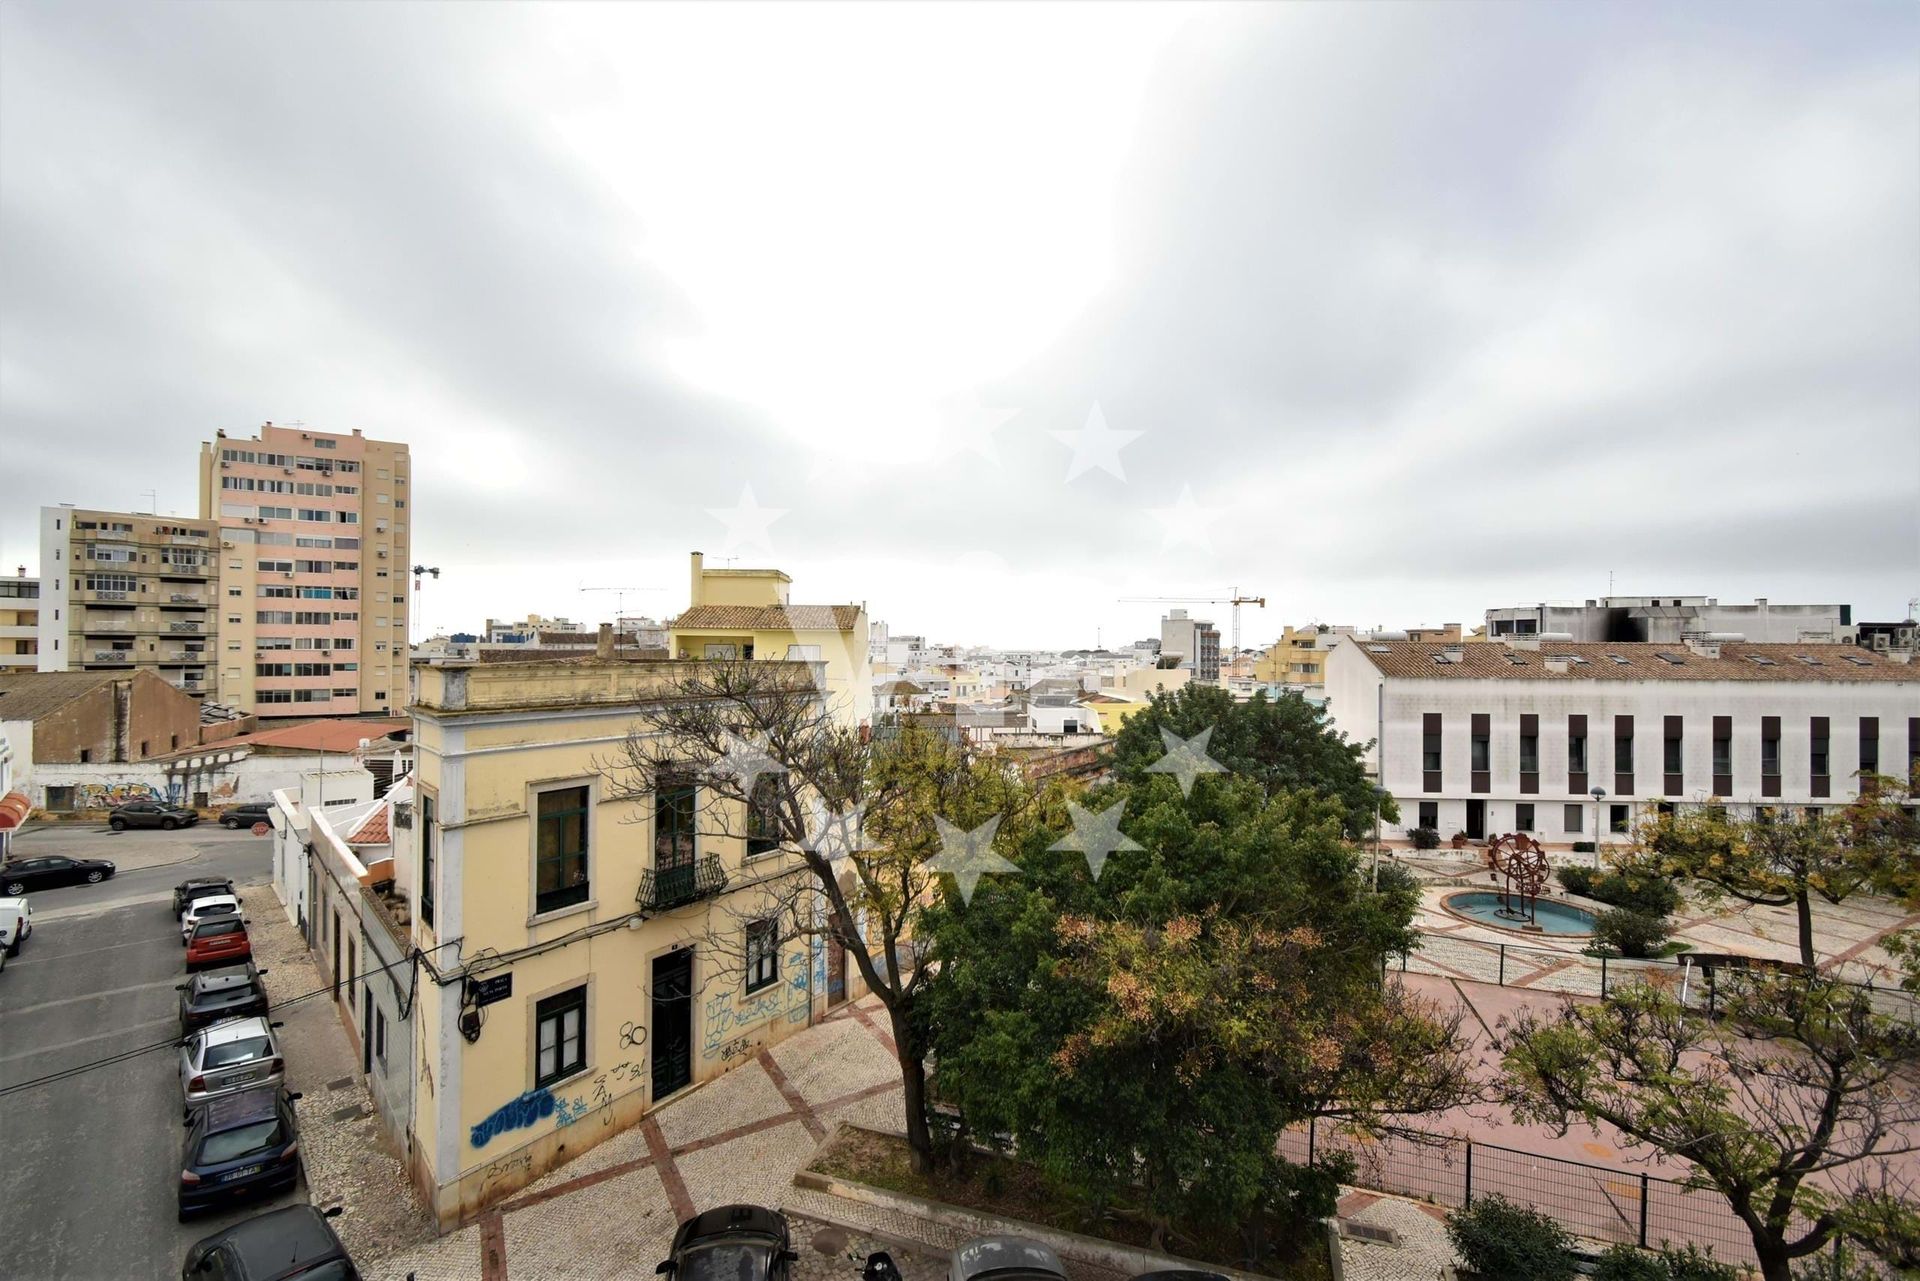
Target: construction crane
{"x":1236,"y":600}
{"x":620,"y":595}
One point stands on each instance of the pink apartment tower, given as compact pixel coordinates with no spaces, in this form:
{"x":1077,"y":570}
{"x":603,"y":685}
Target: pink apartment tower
{"x":313,"y":530}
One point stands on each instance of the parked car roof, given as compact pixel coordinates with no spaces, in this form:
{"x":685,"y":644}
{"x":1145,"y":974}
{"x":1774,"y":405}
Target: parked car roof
{"x":281,"y":1242}
{"x":236,"y":1030}
{"x":242,"y":1107}
{"x":1005,"y":1254}
{"x":224,"y":979}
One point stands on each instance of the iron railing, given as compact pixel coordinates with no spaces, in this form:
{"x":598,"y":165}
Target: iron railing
{"x":665,"y":888}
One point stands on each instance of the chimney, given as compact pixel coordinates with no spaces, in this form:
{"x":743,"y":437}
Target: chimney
{"x":604,"y":647}
{"x":699,"y":569}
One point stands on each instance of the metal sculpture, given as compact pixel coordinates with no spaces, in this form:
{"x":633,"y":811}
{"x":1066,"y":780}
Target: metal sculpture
{"x":1522,"y":863}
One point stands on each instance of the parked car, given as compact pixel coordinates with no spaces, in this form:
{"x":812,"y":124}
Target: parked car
{"x":232,"y":992}
{"x":16,"y":924}
{"x":201,"y":909}
{"x":246,"y":815}
{"x":241,"y":1145}
{"x":50,"y":871}
{"x":280,"y":1245}
{"x":238,"y":1054}
{"x":150,"y":814}
{"x":731,"y":1243}
{"x":218,"y":940}
{"x":1005,"y":1258}
{"x":199,"y":887}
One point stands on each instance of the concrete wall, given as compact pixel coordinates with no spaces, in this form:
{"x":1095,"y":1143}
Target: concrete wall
{"x":125,"y":720}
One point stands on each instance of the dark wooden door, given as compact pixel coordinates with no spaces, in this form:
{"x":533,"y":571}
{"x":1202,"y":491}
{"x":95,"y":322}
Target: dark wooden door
{"x":1476,"y":820}
{"x":672,"y":1022}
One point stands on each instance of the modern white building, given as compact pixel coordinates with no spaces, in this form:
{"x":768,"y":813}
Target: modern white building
{"x":1195,"y":641}
{"x":1566,"y":739}
{"x":1671,"y":619}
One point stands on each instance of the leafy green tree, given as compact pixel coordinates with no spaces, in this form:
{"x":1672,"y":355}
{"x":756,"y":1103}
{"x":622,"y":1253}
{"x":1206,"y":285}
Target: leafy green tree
{"x":1284,"y":744}
{"x":1786,"y":861}
{"x":1791,"y":1104}
{"x":1148,"y":1035}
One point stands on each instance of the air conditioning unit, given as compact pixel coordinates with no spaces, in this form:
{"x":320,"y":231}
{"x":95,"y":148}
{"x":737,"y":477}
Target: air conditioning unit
{"x":225,"y":465}
{"x":287,"y":470}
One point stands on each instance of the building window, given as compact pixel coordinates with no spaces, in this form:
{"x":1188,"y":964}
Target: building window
{"x":763,"y":816}
{"x":1818,"y":755}
{"x":1523,"y":817}
{"x":560,"y":1024}
{"x":1617,"y":819}
{"x":1570,"y":817}
{"x":1672,"y":758}
{"x":1430,"y":815}
{"x":1577,"y":748}
{"x":1870,"y":744}
{"x":1482,"y":752}
{"x":1770,"y":748}
{"x":1530,"y":753}
{"x":673,"y":810}
{"x":380,"y":1036}
{"x":561,"y":852}
{"x":429,"y":833}
{"x":1722,"y":748}
{"x":763,"y":954}
{"x":1430,"y":745}
{"x":1623,"y":745}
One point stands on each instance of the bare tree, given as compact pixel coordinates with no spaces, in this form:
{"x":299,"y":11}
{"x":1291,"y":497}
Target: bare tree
{"x":839,"y":821}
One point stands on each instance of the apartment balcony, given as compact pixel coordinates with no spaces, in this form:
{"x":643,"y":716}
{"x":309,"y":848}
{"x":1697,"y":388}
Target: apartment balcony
{"x":101,"y":627}
{"x":186,"y":625}
{"x":195,"y":572}
{"x":121,"y":656}
{"x":182,"y":600}
{"x":186,"y":657}
{"x":82,"y":595}
{"x":663,"y":889}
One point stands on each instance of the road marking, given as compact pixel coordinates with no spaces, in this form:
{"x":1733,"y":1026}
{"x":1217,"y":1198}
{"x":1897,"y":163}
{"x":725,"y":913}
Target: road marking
{"x":111,"y":947}
{"x":90,"y":996}
{"x":118,"y":1034}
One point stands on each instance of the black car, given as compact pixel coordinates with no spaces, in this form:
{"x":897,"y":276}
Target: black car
{"x":275,"y":1246}
{"x":48,"y":871}
{"x":239,"y":1146}
{"x":246,"y":815}
{"x":230,"y":992}
{"x":731,"y":1243}
{"x":150,"y":814}
{"x":199,"y":887}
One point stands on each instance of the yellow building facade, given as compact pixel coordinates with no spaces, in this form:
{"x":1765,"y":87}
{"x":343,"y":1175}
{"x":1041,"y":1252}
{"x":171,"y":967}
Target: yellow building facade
{"x":1297,"y":658}
{"x":590,"y":954}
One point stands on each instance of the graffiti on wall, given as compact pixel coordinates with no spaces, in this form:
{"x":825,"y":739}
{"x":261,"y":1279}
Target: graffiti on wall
{"x":101,"y":796}
{"x":515,"y":1114}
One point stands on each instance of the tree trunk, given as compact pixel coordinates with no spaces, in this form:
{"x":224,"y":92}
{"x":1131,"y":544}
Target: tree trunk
{"x":913,"y":1094}
{"x":1774,"y":1264}
{"x":1803,"y":905}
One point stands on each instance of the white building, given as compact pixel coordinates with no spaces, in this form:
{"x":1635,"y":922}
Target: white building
{"x":1492,"y":738}
{"x":1195,"y":641}
{"x":1671,"y":619}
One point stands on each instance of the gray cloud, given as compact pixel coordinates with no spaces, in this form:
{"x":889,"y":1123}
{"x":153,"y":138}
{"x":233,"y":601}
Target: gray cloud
{"x":1439,"y":304}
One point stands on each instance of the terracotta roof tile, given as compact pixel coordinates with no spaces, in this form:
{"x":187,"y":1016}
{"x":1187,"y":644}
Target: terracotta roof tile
{"x":374,"y":831}
{"x":814,"y":618}
{"x":1632,"y":661}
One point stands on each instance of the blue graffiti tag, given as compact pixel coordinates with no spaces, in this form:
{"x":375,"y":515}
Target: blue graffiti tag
{"x":516,"y":1114}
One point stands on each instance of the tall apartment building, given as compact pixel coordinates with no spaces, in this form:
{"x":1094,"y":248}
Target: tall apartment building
{"x":121,"y":591}
{"x":19,"y":623}
{"x":1670,"y":619}
{"x":313,"y":562}
{"x":1195,"y":641}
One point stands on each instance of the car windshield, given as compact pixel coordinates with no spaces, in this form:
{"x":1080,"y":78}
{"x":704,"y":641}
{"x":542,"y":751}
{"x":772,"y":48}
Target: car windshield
{"x":216,"y":927}
{"x":232,"y":1145}
{"x":213,"y":905}
{"x":231,"y":1052}
{"x":725,"y":1261}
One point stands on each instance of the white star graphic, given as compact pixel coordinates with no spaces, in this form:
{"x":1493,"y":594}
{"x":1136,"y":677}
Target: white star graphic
{"x":745,"y":762}
{"x":1096,"y":445}
{"x":967,"y":426}
{"x":747,"y":523}
{"x":1186,"y":758}
{"x":1096,"y":833}
{"x":834,"y":835}
{"x":1185,"y":522}
{"x":968,"y":855}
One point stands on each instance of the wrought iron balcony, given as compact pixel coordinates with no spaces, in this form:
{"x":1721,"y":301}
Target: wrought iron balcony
{"x":663,"y":889}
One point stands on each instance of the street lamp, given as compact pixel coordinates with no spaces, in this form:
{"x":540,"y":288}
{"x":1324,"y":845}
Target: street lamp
{"x":1599,"y":794}
{"x":1379,"y":803}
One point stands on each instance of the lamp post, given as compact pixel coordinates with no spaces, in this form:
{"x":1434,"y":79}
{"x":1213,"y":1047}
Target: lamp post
{"x":1379,"y":802}
{"x":1599,"y":795}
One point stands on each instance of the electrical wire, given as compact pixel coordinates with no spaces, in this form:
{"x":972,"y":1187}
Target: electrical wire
{"x":411,"y":960}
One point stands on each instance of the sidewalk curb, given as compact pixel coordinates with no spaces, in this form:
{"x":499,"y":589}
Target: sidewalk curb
{"x":1125,"y":1259}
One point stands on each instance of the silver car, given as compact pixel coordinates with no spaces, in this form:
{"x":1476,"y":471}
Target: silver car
{"x":211,"y":905}
{"x":1005,"y":1258}
{"x":227,"y":1056}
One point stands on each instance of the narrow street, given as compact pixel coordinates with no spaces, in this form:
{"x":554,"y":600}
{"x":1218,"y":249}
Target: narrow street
{"x":92,"y":1160}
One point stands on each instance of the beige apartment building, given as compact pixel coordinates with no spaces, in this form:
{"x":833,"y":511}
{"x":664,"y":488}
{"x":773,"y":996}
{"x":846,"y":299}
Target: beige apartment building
{"x":313,"y":547}
{"x":126,"y":591}
{"x":19,"y":623}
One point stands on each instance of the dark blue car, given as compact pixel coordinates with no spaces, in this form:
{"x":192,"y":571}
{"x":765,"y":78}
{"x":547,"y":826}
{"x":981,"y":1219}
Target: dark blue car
{"x":239,"y":1147}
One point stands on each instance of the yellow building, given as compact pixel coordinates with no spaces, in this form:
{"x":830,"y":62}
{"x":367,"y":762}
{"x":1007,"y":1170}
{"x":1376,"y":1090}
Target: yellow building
{"x":589,"y":955}
{"x":745,"y":613}
{"x":19,"y":623}
{"x":1297,"y":658}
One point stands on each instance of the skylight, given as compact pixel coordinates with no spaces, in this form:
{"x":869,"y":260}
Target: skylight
{"x":1674,"y":659}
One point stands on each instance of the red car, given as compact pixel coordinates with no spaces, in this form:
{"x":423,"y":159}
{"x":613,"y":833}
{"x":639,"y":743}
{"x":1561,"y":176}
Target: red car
{"x":218,"y":940}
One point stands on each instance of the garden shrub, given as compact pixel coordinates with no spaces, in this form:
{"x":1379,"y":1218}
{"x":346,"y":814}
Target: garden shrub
{"x":1630,"y":933}
{"x":1506,"y":1242}
{"x":1425,"y":838}
{"x":1625,"y":1263}
{"x":1645,"y":893}
{"x":1577,"y":880}
{"x":1695,"y":1263}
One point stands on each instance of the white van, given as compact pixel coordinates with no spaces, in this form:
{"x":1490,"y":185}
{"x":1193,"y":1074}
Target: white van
{"x":16,"y":923}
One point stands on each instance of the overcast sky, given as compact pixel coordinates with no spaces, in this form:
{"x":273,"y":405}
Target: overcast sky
{"x":1415,"y":309}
